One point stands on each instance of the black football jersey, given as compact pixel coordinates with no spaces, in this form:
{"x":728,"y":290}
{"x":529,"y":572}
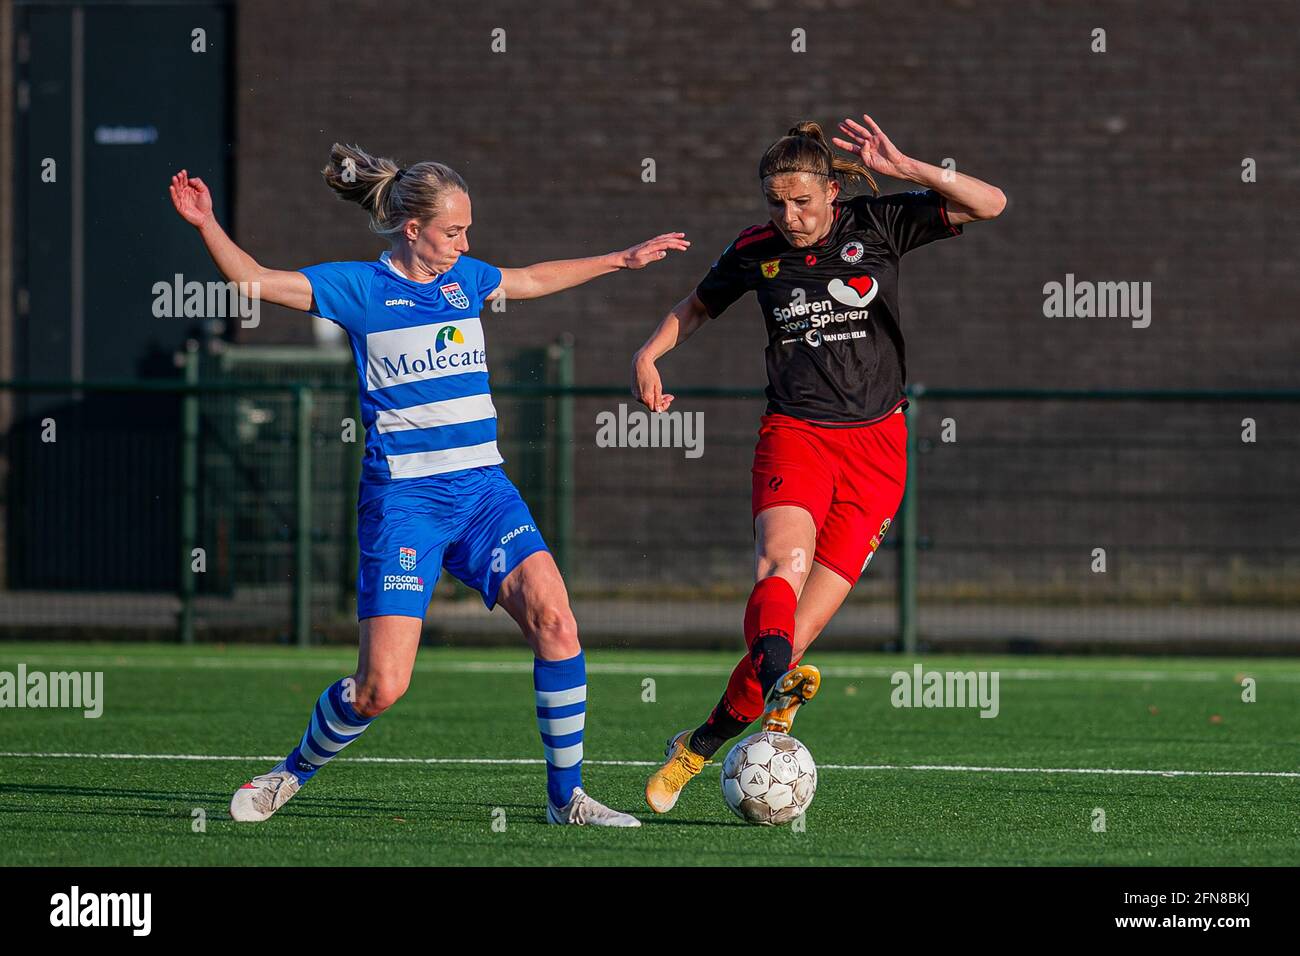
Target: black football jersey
{"x":835,"y":345}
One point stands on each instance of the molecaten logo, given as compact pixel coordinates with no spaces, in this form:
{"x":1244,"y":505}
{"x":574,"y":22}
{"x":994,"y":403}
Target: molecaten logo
{"x":103,"y":909}
{"x":946,"y":689}
{"x":75,"y":689}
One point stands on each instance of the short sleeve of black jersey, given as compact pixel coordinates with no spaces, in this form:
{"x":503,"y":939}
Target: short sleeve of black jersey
{"x":912,"y":219}
{"x":726,"y":282}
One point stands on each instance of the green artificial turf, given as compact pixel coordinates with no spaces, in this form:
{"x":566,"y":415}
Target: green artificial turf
{"x":473,"y":707}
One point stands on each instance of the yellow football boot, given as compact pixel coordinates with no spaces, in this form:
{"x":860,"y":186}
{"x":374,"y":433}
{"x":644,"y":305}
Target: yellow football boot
{"x":796,"y":687}
{"x":665,"y":784}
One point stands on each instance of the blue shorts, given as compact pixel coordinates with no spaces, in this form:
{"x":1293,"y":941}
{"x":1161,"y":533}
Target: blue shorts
{"x":473,"y":523}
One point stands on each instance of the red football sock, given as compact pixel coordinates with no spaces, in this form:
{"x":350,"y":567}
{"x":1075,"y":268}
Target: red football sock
{"x":769,"y":626}
{"x":740,"y":706}
{"x":769,"y":613}
{"x":770,"y":610}
{"x":744,"y":696}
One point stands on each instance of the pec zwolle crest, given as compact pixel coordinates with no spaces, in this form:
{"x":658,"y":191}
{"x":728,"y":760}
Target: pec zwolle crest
{"x":453,"y":293}
{"x":406,"y":558}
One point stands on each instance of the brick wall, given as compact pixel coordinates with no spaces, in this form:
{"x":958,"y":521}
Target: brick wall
{"x":1119,"y":166}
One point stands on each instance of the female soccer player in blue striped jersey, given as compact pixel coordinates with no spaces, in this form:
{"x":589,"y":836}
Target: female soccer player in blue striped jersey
{"x":432,"y":493}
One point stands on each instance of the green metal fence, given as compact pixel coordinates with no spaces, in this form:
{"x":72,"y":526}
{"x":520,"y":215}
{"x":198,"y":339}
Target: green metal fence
{"x":1009,"y":494}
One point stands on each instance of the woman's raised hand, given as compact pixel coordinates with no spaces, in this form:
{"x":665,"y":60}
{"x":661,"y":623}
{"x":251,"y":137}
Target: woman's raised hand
{"x":644,"y":253}
{"x":871,"y":144}
{"x":191,"y":198}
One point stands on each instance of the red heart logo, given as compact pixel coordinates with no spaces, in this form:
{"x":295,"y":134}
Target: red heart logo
{"x":861,"y":284}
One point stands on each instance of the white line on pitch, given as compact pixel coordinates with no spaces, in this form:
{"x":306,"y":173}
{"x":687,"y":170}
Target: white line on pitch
{"x":943,"y":768}
{"x":640,"y":669}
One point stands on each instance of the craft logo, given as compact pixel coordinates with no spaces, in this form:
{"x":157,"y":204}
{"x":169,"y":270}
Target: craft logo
{"x":446,"y":336}
{"x":406,"y":558}
{"x":511,"y":535}
{"x":457,"y":298}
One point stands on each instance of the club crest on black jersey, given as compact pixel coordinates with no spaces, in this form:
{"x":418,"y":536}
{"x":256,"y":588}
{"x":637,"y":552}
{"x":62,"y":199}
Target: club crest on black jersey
{"x":835,"y":346}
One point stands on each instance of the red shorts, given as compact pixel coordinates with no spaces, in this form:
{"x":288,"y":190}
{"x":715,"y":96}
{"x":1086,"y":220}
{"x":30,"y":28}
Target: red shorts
{"x":849,"y":479}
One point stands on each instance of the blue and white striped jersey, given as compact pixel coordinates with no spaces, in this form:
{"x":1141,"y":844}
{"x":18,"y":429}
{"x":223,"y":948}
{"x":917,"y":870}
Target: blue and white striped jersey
{"x":421,"y":364}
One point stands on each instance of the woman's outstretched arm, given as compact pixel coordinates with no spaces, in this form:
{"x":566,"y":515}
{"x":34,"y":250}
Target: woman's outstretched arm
{"x":675,"y":328}
{"x":194,"y":203}
{"x":534,"y":281}
{"x":969,"y":199}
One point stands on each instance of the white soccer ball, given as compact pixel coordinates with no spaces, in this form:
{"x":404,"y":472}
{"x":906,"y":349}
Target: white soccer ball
{"x":769,"y":779}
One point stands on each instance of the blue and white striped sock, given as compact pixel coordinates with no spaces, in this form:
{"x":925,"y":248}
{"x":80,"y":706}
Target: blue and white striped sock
{"x":561,"y":688}
{"x":334,"y":725}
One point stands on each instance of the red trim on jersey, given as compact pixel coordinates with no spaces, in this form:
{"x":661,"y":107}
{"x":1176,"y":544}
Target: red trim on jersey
{"x":768,"y":233}
{"x":871,"y":421}
{"x":943,"y":214}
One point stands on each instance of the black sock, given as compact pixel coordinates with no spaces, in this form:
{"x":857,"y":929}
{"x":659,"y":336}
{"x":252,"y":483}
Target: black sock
{"x":771,"y":655}
{"x":723,"y":724}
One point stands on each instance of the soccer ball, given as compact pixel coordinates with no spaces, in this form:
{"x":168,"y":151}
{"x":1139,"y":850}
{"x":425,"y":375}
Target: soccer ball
{"x":769,"y":779}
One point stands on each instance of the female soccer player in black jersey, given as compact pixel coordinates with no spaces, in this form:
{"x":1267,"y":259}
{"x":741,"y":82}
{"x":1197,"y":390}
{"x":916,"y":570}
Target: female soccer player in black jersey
{"x":831,"y":457}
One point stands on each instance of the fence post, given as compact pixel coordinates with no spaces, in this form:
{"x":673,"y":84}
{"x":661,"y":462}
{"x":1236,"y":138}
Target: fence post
{"x":302,"y":516}
{"x":561,"y":375}
{"x":351,"y":474}
{"x":189,"y":489}
{"x":907,"y":541}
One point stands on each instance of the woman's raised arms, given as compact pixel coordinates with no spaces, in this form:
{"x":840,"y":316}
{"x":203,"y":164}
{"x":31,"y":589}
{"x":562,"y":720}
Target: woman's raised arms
{"x":534,"y":281}
{"x":194,"y":203}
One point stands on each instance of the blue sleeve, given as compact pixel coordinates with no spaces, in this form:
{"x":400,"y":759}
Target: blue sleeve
{"x":338,"y":291}
{"x":485,"y":277}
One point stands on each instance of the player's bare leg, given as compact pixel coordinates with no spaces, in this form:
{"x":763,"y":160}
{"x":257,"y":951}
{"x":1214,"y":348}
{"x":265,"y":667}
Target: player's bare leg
{"x":535,"y":596}
{"x":823,"y":593}
{"x":384,"y":663}
{"x":785,"y":538}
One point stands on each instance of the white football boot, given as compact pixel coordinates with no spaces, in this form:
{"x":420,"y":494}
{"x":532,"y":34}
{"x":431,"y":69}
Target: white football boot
{"x":264,"y":794}
{"x":582,"y":810}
